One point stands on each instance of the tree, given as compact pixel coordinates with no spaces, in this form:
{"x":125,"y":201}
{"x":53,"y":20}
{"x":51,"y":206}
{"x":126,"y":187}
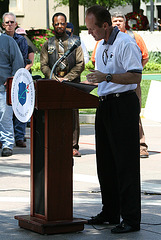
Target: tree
{"x":105,"y":3}
{"x":4,"y":6}
{"x":73,"y":7}
{"x":136,"y":5}
{"x":74,"y":15}
{"x":74,"y":12}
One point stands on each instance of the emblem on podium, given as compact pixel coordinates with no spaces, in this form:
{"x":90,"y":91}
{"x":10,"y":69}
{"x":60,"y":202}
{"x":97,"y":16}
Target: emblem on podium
{"x":23,"y":95}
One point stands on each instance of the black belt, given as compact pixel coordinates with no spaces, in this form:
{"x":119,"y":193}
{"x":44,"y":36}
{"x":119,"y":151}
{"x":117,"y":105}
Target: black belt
{"x":115,"y":95}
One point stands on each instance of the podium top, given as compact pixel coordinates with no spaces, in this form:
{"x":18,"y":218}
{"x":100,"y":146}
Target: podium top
{"x":51,"y":94}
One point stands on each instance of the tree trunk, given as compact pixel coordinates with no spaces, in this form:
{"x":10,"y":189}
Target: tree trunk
{"x":74,"y":15}
{"x":4,"y":7}
{"x":136,"y":5}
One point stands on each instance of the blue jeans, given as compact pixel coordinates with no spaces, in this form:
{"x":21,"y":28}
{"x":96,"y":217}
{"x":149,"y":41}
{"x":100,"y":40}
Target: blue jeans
{"x":19,"y":129}
{"x":6,"y":123}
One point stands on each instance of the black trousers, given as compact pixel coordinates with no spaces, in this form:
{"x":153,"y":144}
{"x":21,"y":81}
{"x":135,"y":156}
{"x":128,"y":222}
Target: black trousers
{"x":76,"y":129}
{"x":118,"y":159}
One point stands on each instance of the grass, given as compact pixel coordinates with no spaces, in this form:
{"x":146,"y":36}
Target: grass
{"x":145,"y":84}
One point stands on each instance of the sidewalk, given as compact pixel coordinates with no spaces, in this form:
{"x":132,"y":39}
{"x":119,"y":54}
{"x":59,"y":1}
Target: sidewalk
{"x":15,"y":190}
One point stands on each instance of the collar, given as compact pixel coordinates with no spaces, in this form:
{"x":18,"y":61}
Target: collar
{"x":16,"y":35}
{"x":113,"y":36}
{"x":63,"y":37}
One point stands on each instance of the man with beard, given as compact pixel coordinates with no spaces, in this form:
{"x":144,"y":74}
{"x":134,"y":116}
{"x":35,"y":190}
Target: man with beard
{"x":70,"y":69}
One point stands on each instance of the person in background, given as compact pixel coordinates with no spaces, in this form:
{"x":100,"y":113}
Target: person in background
{"x":118,"y":71}
{"x":119,"y":20}
{"x":144,"y":22}
{"x":94,"y":53}
{"x":23,"y":33}
{"x":10,"y":62}
{"x":30,"y":60}
{"x":9,"y":24}
{"x":156,"y":24}
{"x":69,"y":70}
{"x":69,"y":31}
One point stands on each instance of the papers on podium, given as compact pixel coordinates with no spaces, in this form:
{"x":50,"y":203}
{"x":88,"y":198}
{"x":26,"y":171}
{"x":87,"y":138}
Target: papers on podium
{"x":81,"y":86}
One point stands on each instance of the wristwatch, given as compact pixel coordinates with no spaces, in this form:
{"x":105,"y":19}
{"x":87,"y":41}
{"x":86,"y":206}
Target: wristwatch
{"x":108,"y":77}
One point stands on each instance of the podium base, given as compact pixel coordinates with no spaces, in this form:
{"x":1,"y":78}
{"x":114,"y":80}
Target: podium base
{"x":50,"y":227}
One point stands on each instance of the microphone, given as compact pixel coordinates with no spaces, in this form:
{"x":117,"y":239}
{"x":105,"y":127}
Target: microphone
{"x":75,"y":45}
{"x":66,"y":54}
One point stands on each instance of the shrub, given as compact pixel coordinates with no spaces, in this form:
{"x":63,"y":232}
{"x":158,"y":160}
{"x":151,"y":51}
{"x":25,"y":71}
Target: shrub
{"x":155,"y":57}
{"x":89,"y":65}
{"x":38,"y":37}
{"x":36,"y":67}
{"x":152,"y":66}
{"x":83,"y":27}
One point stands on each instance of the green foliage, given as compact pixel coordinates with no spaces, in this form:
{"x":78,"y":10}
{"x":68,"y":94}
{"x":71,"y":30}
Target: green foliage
{"x":106,"y":3}
{"x":89,"y":65}
{"x":36,"y":67}
{"x":155,"y":57}
{"x":1,"y":22}
{"x":154,"y":63}
{"x":83,"y":27}
{"x":152,"y":67}
{"x":145,"y":85}
{"x":39,"y":37}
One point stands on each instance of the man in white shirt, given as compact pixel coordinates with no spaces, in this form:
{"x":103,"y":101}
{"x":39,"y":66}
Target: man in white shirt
{"x":118,"y":71}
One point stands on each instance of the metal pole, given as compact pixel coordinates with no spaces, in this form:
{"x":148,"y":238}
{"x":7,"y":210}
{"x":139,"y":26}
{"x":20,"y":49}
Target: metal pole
{"x":151,"y":15}
{"x":47,"y":14}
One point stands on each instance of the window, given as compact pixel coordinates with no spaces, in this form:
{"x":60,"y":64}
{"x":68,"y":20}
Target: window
{"x":16,"y":6}
{"x":13,"y":3}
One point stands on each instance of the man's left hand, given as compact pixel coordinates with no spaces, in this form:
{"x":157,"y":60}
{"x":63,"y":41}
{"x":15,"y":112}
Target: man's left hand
{"x":95,"y":76}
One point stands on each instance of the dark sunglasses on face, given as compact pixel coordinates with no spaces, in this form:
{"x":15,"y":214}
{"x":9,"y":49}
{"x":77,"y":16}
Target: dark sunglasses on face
{"x":9,"y":22}
{"x":57,"y":24}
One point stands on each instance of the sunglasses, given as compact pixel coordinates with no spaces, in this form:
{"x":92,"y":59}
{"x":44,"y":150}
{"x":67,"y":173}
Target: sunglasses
{"x":9,"y":22}
{"x":57,"y":24}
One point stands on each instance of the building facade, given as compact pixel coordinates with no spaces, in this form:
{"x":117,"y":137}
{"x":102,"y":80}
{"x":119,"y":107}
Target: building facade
{"x":32,"y":14}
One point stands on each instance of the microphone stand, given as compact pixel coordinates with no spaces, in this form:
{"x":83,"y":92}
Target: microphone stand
{"x":56,"y":63}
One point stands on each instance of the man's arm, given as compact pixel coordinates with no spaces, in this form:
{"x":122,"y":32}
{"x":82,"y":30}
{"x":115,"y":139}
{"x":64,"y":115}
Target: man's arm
{"x":16,"y":57}
{"x":144,"y":61}
{"x":23,"y":45}
{"x":124,"y":78}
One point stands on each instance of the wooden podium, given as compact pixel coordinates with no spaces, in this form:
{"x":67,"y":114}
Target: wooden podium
{"x":52,"y":158}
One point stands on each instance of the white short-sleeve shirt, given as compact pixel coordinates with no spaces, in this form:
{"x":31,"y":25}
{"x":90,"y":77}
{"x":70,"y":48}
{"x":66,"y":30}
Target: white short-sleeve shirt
{"x":120,"y":54}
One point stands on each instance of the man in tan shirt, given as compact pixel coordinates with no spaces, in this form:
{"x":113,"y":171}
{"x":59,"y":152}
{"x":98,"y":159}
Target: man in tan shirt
{"x":70,"y":69}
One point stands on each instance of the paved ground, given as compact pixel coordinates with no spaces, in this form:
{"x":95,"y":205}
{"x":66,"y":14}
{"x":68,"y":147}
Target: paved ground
{"x":15,"y":190}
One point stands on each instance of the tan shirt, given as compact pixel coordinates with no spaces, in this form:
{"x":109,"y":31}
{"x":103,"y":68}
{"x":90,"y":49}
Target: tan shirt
{"x":74,"y":72}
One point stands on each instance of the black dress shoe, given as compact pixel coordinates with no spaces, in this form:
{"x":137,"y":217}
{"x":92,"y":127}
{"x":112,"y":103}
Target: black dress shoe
{"x":124,"y":228}
{"x":20,"y":143}
{"x":100,"y":219}
{"x":6,"y":152}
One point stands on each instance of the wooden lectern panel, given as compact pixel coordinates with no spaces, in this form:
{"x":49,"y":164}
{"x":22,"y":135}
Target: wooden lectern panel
{"x":51,"y":94}
{"x":51,"y":209}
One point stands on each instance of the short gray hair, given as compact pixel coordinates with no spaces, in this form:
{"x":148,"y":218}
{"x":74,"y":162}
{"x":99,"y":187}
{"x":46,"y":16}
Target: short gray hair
{"x":8,"y":13}
{"x":118,"y":14}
